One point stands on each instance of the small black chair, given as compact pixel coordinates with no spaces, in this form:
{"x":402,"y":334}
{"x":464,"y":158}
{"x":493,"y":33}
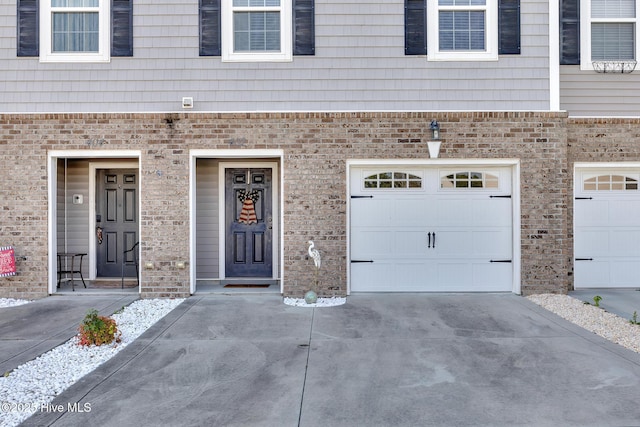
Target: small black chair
{"x":133,"y":249}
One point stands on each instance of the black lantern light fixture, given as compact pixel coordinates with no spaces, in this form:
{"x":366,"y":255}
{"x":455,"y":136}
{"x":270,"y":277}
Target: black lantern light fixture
{"x":435,"y":130}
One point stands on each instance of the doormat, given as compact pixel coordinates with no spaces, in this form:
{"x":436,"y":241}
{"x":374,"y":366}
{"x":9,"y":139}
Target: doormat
{"x":245,"y":286}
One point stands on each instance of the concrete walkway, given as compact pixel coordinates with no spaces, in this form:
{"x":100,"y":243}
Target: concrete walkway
{"x":622,"y":302}
{"x":29,"y":330}
{"x":379,"y":360}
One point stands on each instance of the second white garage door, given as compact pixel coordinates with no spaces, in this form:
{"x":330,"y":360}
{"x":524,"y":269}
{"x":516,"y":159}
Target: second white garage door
{"x":607,"y":228}
{"x":416,"y":229}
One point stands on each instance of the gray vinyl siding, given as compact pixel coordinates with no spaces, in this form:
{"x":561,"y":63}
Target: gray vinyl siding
{"x":207,"y":224}
{"x":73,"y":220}
{"x":359,"y":65}
{"x":587,"y":93}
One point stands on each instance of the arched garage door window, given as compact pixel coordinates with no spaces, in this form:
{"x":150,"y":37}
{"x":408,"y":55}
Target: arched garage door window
{"x":610,"y":182}
{"x":468,"y":179}
{"x":393,"y":180}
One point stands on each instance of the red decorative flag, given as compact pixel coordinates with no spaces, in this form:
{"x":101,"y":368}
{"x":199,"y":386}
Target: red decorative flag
{"x":7,"y":261}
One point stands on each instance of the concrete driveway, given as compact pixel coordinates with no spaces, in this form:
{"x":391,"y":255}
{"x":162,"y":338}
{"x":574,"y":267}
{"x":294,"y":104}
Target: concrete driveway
{"x":379,"y":360}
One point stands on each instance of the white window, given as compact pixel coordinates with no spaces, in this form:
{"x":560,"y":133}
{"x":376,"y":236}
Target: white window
{"x":608,"y":31}
{"x":74,"y":31}
{"x":256,"y":30}
{"x":462,"y":30}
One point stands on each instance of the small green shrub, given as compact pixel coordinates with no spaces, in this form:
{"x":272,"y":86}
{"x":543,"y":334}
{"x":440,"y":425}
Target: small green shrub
{"x":597,"y":300}
{"x":634,"y":319}
{"x":98,"y":330}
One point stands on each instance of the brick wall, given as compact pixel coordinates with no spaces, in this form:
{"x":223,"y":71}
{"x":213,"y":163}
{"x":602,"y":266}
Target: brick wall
{"x":316,"y":147}
{"x":601,"y":140}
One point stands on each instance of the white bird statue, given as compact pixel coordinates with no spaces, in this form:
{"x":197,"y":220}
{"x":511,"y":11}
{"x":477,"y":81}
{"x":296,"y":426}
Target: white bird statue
{"x":313,"y":253}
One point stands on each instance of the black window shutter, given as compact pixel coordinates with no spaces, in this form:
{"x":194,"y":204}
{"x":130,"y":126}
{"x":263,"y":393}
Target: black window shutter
{"x":304,"y":33}
{"x":570,"y":32}
{"x":210,"y":28}
{"x":415,"y":27}
{"x":28,"y":27}
{"x":509,"y":27}
{"x":121,"y":27}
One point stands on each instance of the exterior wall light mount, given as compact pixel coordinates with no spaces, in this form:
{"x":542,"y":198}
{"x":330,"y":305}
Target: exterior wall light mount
{"x":435,"y":130}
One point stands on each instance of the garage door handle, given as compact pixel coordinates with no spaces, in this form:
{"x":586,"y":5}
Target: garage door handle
{"x":584,"y":259}
{"x":434,"y":240}
{"x":429,"y":235}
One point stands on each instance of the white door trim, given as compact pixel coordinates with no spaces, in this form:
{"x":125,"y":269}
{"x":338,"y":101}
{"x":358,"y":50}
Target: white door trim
{"x":52,"y":179}
{"x":231,"y":156}
{"x":515,"y":197}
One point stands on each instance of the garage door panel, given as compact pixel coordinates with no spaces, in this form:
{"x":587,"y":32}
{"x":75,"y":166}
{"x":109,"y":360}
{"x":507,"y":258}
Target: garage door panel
{"x":453,"y":275}
{"x":492,"y":243}
{"x":625,"y":243}
{"x":454,"y":243}
{"x":591,"y":242}
{"x":592,"y":274}
{"x":453,"y":212}
{"x":489,"y":212}
{"x":593,"y":212}
{"x":410,"y":243}
{"x":624,"y":212}
{"x":369,"y":243}
{"x":384,"y":276}
{"x":371,"y":212}
{"x":492,"y":276}
{"x":624,"y":273}
{"x":395,"y":228}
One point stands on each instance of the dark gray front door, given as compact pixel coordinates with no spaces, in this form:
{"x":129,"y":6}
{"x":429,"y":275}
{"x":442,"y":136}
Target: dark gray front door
{"x":116,"y":220}
{"x":248,"y":222}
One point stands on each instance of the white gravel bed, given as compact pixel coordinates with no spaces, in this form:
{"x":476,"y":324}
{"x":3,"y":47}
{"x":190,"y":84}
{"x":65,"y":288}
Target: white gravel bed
{"x":10,"y":302}
{"x":591,"y":318}
{"x":321,"y":302}
{"x":32,"y":386}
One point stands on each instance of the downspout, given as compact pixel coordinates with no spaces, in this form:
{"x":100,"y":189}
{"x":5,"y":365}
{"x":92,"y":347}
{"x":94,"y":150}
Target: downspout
{"x":554,"y":55}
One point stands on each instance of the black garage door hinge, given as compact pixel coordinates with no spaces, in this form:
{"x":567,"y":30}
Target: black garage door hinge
{"x":584,"y":198}
{"x":501,"y":197}
{"x":362,"y":197}
{"x":361,"y":260}
{"x":584,"y":259}
{"x":500,"y":260}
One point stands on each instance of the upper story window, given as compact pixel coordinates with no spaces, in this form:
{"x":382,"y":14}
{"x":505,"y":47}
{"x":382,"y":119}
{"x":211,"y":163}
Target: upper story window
{"x":608,"y":31}
{"x":256,"y":30}
{"x":462,"y":30}
{"x":74,"y":31}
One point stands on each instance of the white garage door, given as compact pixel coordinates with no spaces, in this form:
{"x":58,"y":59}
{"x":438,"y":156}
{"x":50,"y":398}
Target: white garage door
{"x":607,"y":228}
{"x":430,"y":229}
